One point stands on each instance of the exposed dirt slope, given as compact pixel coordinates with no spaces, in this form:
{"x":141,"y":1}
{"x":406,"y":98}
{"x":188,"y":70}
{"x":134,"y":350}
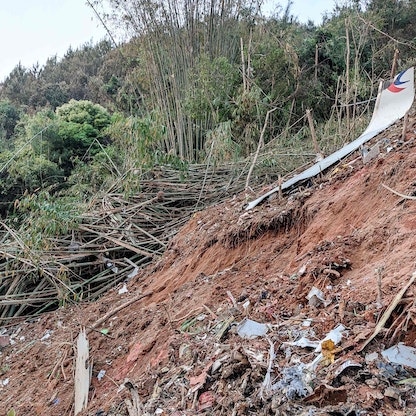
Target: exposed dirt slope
{"x":178,"y":346}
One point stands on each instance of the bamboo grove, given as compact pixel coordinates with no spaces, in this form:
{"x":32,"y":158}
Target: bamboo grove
{"x":184,"y":94}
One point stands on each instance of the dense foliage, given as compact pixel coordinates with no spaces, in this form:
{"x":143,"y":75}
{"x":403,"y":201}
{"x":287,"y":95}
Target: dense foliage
{"x":195,"y":81}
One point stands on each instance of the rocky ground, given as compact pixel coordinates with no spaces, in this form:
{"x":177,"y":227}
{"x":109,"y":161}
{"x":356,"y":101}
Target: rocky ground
{"x":234,"y":318}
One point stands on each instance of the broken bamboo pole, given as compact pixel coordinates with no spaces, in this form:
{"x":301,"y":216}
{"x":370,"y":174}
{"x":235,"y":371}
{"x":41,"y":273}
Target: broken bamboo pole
{"x":259,"y":146}
{"x":119,"y":308}
{"x":405,"y":123}
{"x":82,"y":373}
{"x":318,"y":152}
{"x":394,"y":64}
{"x":389,"y":311}
{"x":398,"y":193}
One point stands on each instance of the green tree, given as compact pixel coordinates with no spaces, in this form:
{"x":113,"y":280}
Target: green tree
{"x":28,"y":165}
{"x":48,"y":145}
{"x":213,"y":83}
{"x":19,"y":86}
{"x":9,"y":116}
{"x":81,"y":132}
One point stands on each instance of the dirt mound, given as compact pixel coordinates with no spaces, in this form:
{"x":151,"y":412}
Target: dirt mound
{"x":332,"y":255}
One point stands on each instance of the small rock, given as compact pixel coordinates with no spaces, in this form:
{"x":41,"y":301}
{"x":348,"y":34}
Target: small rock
{"x":206,"y":400}
{"x":4,"y":341}
{"x":371,"y":357}
{"x":392,"y":393}
{"x":100,"y":375}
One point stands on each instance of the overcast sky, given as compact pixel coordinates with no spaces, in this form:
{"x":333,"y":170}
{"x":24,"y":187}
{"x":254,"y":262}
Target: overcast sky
{"x":33,"y":30}
{"x":305,"y":9}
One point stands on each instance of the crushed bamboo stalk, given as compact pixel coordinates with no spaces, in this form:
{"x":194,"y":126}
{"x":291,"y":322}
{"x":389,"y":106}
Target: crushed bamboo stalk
{"x":119,"y":308}
{"x":399,"y":193}
{"x":26,"y":301}
{"x":389,"y":311}
{"x":121,"y":243}
{"x":137,"y":228}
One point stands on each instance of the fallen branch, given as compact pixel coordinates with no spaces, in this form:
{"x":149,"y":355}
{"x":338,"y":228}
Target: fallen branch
{"x":386,"y":34}
{"x":259,"y":146}
{"x":398,"y":193}
{"x":389,"y":311}
{"x":118,"y":242}
{"x":118,"y":309}
{"x":135,"y":405}
{"x":65,"y":268}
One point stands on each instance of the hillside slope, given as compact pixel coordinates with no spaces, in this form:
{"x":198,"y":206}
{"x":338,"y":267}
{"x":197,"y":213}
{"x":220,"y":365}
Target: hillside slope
{"x":179,"y":348}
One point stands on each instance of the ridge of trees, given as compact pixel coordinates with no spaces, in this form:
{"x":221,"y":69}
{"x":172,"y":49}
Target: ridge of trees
{"x":195,"y":80}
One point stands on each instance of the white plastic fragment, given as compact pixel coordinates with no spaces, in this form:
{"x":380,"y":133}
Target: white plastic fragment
{"x":46,"y":336}
{"x":256,"y":355}
{"x":101,"y":375}
{"x":267,"y":382}
{"x":316,"y":297}
{"x":401,"y":354}
{"x":201,"y":317}
{"x":335,"y":335}
{"x":82,"y":373}
{"x":345,"y":365}
{"x":110,"y":265}
{"x":304,"y":343}
{"x":307,"y":323}
{"x":251,"y":329}
{"x":302,"y":270}
{"x":123,"y":290}
{"x":370,"y":153}
{"x":371,"y":357}
{"x":311,"y":367}
{"x":5,"y":382}
{"x":134,"y":273}
{"x":218,"y":363}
